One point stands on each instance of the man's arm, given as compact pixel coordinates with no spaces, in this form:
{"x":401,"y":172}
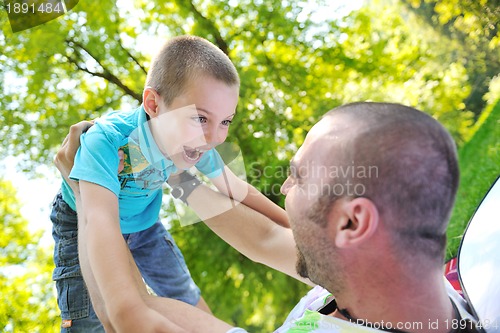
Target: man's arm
{"x":105,"y":248}
{"x":102,"y":249}
{"x":65,"y":157}
{"x":129,"y":306}
{"x":126,"y":317}
{"x":248,"y":231}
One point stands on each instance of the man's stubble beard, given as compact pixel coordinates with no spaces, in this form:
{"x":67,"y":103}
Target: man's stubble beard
{"x":324,"y":269}
{"x":301,"y":265}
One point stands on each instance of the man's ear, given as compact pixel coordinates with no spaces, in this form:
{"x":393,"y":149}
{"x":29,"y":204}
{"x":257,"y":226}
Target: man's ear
{"x":151,"y":100}
{"x":359,"y":221}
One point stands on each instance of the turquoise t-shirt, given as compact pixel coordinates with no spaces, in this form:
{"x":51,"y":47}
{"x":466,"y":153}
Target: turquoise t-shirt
{"x":139,"y":186}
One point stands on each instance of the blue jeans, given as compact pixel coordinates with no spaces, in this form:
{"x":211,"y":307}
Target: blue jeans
{"x":159,"y":260}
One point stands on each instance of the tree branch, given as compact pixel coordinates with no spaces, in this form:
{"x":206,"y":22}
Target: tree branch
{"x":119,"y":41}
{"x":221,"y":43}
{"x":83,"y":69}
{"x":105,"y":74}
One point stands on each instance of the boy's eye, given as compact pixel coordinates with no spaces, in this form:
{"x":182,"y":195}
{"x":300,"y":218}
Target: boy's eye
{"x":226,"y":122}
{"x":200,"y":119}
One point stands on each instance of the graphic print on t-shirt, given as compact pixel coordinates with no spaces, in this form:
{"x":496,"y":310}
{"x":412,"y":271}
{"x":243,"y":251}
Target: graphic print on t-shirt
{"x":137,"y":174}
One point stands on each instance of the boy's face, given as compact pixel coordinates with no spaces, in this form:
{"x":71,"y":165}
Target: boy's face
{"x":196,"y":121}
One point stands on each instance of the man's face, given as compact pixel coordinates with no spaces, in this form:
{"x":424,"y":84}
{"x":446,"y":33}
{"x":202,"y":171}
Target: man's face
{"x":196,"y":121}
{"x":309,"y":178}
{"x":298,"y":197}
{"x":302,"y":190}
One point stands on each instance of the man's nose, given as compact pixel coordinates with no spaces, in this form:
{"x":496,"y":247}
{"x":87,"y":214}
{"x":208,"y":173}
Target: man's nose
{"x":285,"y":186}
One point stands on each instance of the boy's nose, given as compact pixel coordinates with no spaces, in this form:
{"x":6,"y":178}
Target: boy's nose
{"x":214,"y":137}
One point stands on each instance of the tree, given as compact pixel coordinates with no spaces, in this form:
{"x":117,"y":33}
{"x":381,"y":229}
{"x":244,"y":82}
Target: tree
{"x":479,"y":167}
{"x":28,"y":302}
{"x":474,"y":26}
{"x":293,"y":67}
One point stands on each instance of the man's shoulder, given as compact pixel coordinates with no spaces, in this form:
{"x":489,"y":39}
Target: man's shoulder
{"x":460,"y":303}
{"x":313,"y":300}
{"x":305,"y":317}
{"x":315,"y":322}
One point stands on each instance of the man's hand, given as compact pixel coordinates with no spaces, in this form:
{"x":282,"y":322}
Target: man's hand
{"x":65,"y":157}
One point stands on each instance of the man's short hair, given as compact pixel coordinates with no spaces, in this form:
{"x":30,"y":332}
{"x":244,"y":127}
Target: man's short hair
{"x":417,"y":171}
{"x":185,"y":58}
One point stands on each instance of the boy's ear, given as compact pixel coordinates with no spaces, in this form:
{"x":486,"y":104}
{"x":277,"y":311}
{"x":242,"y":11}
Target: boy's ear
{"x":151,"y":100}
{"x":359,"y":221}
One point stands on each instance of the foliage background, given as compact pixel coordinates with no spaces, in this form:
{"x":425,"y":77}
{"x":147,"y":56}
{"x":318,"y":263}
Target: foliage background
{"x":296,"y":59}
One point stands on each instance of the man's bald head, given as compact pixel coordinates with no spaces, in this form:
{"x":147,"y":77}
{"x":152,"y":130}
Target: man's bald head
{"x":416,"y":166}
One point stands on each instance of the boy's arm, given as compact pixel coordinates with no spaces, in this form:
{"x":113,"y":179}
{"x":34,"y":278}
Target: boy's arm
{"x":245,"y":229}
{"x":249,"y":228}
{"x":248,"y":231}
{"x":229,"y":184}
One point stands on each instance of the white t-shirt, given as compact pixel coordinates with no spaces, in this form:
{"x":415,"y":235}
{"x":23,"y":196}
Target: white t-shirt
{"x":305,"y":316}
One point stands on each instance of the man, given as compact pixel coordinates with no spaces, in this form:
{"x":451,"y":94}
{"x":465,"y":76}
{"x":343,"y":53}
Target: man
{"x":368,"y":198}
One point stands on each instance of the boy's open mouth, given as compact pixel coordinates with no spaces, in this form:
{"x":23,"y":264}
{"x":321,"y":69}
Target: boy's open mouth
{"x":193,"y":154}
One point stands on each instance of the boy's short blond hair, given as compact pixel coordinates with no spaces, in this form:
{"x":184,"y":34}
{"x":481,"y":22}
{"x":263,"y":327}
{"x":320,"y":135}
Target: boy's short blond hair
{"x":185,"y":58}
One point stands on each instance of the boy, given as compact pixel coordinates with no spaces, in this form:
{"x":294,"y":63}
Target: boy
{"x":355,"y":248}
{"x":189,"y":101}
